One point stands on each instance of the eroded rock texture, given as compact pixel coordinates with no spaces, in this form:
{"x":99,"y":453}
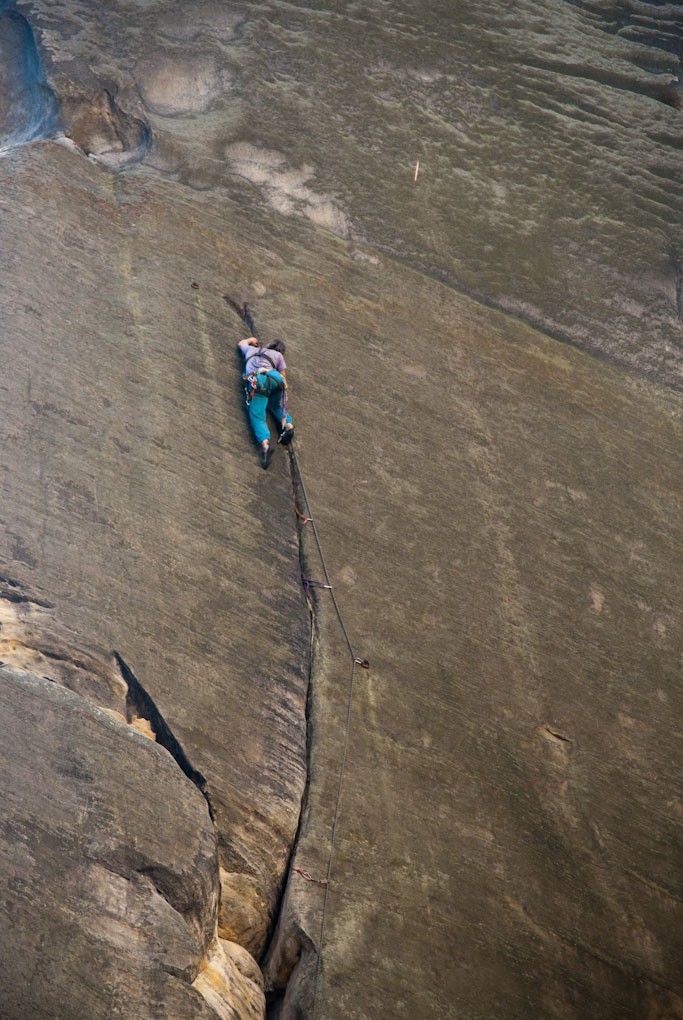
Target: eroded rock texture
{"x":108,"y":862}
{"x":109,"y":857}
{"x":500,"y":509}
{"x":195,"y":655}
{"x":28,"y":108}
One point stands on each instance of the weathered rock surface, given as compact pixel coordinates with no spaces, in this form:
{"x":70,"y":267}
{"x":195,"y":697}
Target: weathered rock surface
{"x":500,"y":511}
{"x":108,"y":859}
{"x":204,"y":596}
{"x":231,"y":983}
{"x":508,"y":836}
{"x":28,"y":108}
{"x":548,"y":135}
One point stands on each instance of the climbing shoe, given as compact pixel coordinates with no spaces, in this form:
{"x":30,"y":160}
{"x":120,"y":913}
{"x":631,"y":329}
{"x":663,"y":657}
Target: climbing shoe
{"x":265,"y":457}
{"x":287,"y":435}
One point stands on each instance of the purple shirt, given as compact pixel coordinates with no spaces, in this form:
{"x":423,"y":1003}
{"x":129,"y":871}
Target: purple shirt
{"x":254,"y":359}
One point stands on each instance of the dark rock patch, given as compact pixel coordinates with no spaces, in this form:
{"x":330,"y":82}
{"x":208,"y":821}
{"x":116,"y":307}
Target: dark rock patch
{"x":28,"y":106}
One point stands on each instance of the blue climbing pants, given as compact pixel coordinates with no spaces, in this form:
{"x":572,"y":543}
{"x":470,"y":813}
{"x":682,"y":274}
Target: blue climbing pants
{"x":266,"y":397}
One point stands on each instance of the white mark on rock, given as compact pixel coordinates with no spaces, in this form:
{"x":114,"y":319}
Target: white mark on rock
{"x":287,"y":189}
{"x":417,"y":371}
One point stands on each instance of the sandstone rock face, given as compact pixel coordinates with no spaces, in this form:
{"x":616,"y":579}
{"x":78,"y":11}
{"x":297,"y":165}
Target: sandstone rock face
{"x":495,"y":805}
{"x":509,"y":798}
{"x":235,"y":741}
{"x":231,"y":983}
{"x":110,"y":873}
{"x":109,"y":852}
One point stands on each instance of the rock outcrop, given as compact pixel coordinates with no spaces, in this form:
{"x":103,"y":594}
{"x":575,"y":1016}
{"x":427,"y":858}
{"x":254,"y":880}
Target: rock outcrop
{"x":109,"y":852}
{"x":484,"y":366}
{"x":109,"y":869}
{"x":28,"y":107}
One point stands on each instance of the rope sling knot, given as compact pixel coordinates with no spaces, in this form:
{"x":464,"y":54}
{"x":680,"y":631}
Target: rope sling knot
{"x":309,"y":583}
{"x":309,"y":878}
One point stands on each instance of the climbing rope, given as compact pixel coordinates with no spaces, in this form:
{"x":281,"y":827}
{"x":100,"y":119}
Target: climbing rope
{"x":298,"y":484}
{"x":306,"y":518}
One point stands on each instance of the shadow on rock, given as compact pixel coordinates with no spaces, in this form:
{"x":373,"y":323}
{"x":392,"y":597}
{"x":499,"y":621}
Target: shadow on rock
{"x":28,"y":107}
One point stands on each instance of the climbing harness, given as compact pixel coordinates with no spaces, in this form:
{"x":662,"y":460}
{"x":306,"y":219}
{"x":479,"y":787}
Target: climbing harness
{"x":262,"y":382}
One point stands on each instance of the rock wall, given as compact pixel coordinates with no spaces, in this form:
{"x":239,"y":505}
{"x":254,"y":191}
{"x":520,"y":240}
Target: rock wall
{"x":492,"y":813}
{"x":28,"y":106}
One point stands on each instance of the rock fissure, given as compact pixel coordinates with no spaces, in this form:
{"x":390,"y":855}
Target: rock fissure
{"x":140,"y":704}
{"x":12,"y":591}
{"x":288,"y":942}
{"x":551,"y":734}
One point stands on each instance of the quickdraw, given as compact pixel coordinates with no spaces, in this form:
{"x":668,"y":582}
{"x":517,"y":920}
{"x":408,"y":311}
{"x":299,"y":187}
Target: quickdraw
{"x":308,"y":583}
{"x":309,"y":878}
{"x":302,"y":517}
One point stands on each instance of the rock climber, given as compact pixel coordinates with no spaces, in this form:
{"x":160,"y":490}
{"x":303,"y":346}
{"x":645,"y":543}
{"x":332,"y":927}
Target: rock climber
{"x":265,"y":380}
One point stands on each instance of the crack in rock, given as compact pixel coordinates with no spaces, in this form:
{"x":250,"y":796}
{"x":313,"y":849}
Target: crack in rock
{"x":141,"y":705}
{"x":13,"y":592}
{"x":224,"y":974}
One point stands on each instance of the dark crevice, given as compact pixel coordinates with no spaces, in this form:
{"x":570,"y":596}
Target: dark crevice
{"x":12,"y":591}
{"x":655,"y":26}
{"x":555,"y":736}
{"x":140,"y":704}
{"x":276,"y":995}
